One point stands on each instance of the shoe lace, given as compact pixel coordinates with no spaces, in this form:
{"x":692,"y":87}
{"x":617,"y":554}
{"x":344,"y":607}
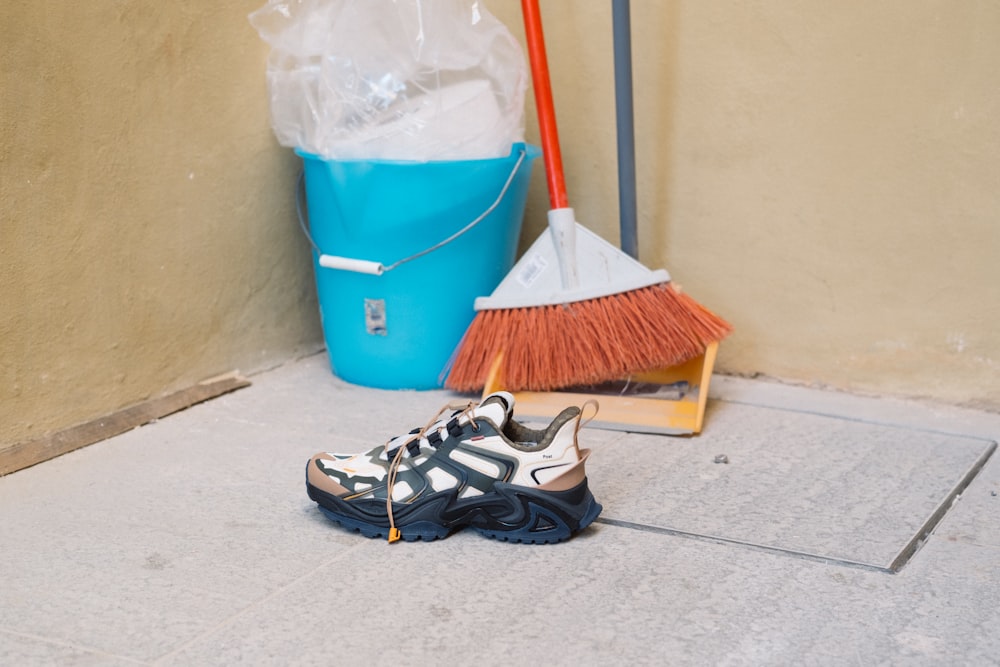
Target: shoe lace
{"x":459,"y":410}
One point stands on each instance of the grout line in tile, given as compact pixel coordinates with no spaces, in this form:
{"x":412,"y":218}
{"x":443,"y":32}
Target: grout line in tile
{"x":77,"y":647}
{"x":254,"y":605}
{"x":934,"y":520}
{"x":859,"y":420}
{"x":726,"y":541}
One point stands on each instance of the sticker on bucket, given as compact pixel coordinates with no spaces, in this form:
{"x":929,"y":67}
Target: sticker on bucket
{"x":375,"y":317}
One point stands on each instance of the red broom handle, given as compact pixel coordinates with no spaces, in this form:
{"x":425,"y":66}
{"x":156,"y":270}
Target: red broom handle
{"x":543,"y":102}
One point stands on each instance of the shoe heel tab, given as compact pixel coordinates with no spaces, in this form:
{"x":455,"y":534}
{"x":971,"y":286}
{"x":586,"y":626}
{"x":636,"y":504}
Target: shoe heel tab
{"x":574,"y":412}
{"x":572,"y":417}
{"x":572,"y":477}
{"x":580,"y":423}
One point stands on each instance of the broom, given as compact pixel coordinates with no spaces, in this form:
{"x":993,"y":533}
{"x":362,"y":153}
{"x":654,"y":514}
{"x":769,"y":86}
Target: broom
{"x":575,"y":310}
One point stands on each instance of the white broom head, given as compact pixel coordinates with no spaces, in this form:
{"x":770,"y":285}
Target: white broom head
{"x":569,"y":263}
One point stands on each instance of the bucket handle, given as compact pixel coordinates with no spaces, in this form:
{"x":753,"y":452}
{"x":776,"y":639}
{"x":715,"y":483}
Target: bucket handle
{"x":378,"y":268}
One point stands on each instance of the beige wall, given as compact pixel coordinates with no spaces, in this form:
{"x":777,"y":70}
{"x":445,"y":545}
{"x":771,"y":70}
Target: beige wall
{"x":825,"y":175}
{"x":147,"y":239}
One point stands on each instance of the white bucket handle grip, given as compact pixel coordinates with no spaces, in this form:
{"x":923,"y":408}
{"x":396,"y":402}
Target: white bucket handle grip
{"x":378,"y":268}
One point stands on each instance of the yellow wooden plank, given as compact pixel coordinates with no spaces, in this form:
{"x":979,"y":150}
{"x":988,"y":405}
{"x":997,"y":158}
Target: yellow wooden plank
{"x":625,"y":410}
{"x":690,"y":372}
{"x":682,"y":416}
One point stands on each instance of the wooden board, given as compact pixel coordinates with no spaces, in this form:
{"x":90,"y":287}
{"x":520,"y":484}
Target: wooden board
{"x":30,"y":452}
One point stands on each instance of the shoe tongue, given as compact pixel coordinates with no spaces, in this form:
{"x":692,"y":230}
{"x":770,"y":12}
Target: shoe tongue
{"x":497,"y":407}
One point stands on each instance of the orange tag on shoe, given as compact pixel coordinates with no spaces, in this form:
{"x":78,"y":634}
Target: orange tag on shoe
{"x":394,"y":534}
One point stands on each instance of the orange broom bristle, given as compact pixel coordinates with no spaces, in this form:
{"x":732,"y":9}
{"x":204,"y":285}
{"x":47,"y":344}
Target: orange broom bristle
{"x":586,"y":342}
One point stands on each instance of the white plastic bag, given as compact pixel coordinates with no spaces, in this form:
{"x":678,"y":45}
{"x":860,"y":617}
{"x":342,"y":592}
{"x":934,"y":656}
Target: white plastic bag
{"x":392,"y":79}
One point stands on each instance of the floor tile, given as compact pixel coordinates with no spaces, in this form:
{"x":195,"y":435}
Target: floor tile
{"x":18,"y":649}
{"x":831,"y":487}
{"x":191,"y":541}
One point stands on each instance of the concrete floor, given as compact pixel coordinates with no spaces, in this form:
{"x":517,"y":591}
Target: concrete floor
{"x":843,"y":530}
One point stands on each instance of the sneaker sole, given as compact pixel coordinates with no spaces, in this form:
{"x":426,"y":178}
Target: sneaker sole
{"x":510,"y":514}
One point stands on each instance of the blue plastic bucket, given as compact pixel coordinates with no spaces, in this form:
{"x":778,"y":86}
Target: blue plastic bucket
{"x":413,"y":243}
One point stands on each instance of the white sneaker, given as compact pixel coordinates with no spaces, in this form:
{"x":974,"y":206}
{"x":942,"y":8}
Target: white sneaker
{"x":478,"y":467}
